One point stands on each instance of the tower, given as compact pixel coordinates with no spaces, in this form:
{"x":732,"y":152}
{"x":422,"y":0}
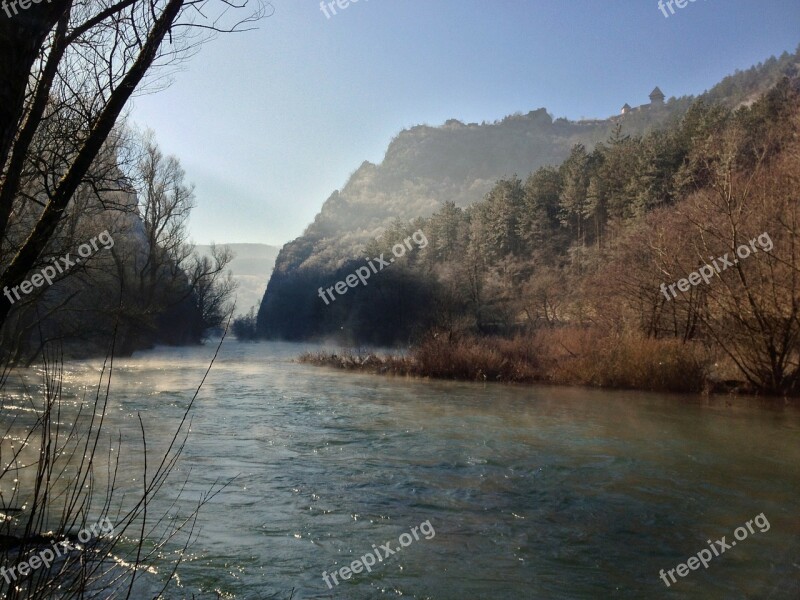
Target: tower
{"x":656,"y":96}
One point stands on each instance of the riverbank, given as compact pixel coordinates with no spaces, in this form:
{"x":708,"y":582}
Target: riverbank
{"x":560,"y":357}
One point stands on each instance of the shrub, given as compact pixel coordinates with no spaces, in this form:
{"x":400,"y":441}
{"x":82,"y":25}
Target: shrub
{"x":630,"y":361}
{"x":244,"y":328}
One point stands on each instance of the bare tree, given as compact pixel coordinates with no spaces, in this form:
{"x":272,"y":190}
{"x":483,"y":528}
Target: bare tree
{"x":754,"y":305}
{"x":212,"y":286}
{"x":158,"y":270}
{"x":750,"y":217}
{"x":164,"y":201}
{"x":68,"y":70}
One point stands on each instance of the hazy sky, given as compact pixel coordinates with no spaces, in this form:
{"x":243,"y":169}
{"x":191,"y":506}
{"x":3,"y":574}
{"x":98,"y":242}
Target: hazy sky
{"x":268,"y":123}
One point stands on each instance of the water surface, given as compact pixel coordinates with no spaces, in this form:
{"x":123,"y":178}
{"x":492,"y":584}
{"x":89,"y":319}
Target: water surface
{"x":533,"y":492}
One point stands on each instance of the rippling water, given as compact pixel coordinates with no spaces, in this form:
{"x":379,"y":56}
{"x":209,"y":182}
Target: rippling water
{"x":533,"y":492}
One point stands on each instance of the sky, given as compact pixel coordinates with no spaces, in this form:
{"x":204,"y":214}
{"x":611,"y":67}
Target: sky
{"x":268,"y":123}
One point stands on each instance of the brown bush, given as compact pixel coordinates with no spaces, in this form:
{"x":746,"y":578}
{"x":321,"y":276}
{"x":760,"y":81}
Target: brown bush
{"x":477,"y":359}
{"x":576,"y":356}
{"x":628,"y":362}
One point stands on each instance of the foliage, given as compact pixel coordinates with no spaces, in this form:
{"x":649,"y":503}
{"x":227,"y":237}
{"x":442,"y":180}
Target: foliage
{"x":585,"y":247}
{"x":67,"y":71}
{"x":146,"y":284}
{"x":244,"y":327}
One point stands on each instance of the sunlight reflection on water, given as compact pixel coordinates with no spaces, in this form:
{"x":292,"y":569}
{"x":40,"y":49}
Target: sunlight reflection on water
{"x":534,"y":492}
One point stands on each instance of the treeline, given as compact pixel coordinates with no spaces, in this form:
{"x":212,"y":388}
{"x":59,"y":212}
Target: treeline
{"x":426,"y":166}
{"x":70,"y":170}
{"x":570,"y":263}
{"x":143,"y":285}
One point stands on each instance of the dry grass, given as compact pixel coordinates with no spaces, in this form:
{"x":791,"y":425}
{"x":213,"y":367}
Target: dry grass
{"x":572,"y":356}
{"x":478,"y":359}
{"x":589,"y":358}
{"x":360,"y":361}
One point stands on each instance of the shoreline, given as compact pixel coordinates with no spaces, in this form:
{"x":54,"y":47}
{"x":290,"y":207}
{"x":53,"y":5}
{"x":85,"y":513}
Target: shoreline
{"x":477,"y":360}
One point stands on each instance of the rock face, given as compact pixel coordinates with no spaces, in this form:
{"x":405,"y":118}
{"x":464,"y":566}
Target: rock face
{"x":426,"y":166}
{"x":423,"y":168}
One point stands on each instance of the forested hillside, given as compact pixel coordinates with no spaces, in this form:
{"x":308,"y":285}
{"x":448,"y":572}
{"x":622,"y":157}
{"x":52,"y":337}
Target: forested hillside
{"x":589,"y":180}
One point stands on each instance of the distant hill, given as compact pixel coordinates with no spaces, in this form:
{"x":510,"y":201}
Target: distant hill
{"x":251,"y":268}
{"x":425,"y":166}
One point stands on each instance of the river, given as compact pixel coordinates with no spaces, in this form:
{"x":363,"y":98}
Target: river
{"x":530,"y":492}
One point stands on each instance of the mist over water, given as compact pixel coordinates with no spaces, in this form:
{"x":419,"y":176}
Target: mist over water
{"x":534,"y":492}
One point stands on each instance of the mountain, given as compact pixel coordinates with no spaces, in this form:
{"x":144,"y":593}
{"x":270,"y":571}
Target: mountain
{"x":426,"y":167}
{"x":251,"y":267}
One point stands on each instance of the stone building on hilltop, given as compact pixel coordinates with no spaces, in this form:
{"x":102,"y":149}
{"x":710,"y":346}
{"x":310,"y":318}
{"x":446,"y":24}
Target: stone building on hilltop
{"x":656,"y":99}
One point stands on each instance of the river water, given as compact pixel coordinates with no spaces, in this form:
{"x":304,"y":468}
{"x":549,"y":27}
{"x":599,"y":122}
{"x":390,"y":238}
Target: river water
{"x":532,"y":492}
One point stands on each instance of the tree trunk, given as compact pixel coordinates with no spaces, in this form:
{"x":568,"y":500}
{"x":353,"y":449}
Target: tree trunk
{"x":53,"y":213}
{"x":21,"y":39}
